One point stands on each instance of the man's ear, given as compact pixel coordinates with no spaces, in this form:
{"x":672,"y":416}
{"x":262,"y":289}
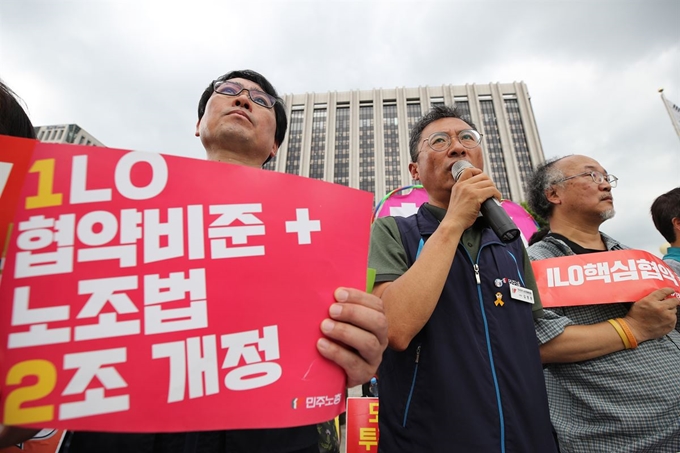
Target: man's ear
{"x":552,"y":195}
{"x":198,"y":123}
{"x":272,"y":154}
{"x":275,"y":149}
{"x":676,"y":226}
{"x":413,"y":169}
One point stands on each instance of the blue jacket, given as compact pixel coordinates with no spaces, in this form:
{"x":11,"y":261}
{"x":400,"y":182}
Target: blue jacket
{"x":471,"y":380}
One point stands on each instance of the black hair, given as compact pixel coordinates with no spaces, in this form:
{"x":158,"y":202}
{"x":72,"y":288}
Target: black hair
{"x":279,"y":107}
{"x":539,"y":235}
{"x":664,"y":209}
{"x":13,"y":118}
{"x":438,"y":112}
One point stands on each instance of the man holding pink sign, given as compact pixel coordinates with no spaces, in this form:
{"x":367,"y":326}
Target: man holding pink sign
{"x":242,"y":121}
{"x":611,"y":369}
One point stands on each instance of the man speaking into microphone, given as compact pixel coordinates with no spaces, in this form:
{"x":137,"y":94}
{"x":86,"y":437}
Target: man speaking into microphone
{"x":462,"y":371}
{"x":499,"y":220}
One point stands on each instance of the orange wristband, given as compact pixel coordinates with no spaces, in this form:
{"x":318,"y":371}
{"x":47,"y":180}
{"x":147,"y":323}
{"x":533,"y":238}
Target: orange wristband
{"x":629,"y":333}
{"x":621,"y":332}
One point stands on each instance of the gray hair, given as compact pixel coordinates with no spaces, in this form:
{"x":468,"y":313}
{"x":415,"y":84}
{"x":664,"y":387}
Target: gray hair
{"x":545,"y":176}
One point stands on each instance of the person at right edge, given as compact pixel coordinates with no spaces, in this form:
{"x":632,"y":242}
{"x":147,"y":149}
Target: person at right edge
{"x":612,"y":370}
{"x":462,"y":372}
{"x":666,"y":216}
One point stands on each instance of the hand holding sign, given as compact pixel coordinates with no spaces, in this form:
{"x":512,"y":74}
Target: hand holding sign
{"x":359,"y":322}
{"x":653,"y":316}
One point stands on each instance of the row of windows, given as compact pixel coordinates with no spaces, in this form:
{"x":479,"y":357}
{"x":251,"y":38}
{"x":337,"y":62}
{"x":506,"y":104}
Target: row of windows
{"x":341,"y":172}
{"x":464,"y":107}
{"x":295,"y":126}
{"x":494,"y":148}
{"x":51,"y":135}
{"x":317,"y":158}
{"x":294,"y":143}
{"x":393,"y":101}
{"x":57,"y":134}
{"x":519,"y":141}
{"x":391,"y":144}
{"x":413,"y":113}
{"x":366,"y":149}
{"x":293,"y":160}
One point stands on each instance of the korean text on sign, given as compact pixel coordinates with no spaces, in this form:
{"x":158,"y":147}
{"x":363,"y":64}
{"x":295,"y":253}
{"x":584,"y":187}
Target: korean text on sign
{"x":607,"y":277}
{"x":143,"y":293}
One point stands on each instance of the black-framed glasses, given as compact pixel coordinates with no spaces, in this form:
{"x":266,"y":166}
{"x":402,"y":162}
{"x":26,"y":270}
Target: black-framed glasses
{"x":598,"y":178}
{"x":441,"y":141}
{"x":231,"y":88}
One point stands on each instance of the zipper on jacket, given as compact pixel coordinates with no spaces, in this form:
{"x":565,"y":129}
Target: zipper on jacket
{"x":413,"y":386}
{"x":475,"y":267}
{"x":519,"y":274}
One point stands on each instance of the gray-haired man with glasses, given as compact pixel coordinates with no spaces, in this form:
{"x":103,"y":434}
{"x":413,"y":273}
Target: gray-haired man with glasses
{"x":598,"y":178}
{"x":606,"y":394}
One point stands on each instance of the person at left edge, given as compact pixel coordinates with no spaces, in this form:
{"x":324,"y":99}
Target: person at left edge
{"x":242,"y":121}
{"x":15,"y":122}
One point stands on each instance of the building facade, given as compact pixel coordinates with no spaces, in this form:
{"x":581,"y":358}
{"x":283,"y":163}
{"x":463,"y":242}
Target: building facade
{"x":360,"y":138}
{"x":66,"y":133}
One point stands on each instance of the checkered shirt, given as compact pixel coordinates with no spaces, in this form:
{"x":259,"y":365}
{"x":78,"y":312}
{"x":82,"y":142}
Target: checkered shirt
{"x":627,"y":401}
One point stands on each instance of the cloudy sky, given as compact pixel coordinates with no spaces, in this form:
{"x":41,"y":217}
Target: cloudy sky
{"x":131,"y":72}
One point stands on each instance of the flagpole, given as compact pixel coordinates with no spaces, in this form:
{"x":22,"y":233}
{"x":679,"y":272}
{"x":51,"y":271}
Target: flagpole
{"x":666,"y":103}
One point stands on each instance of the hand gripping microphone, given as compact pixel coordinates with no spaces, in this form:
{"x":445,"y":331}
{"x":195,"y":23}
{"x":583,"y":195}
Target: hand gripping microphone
{"x":499,"y":220}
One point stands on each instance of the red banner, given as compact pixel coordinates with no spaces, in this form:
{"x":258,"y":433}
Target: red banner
{"x":601,"y":278}
{"x":362,"y":425}
{"x":150,"y":293}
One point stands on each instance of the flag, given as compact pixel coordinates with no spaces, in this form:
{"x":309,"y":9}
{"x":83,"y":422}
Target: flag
{"x":673,"y":112}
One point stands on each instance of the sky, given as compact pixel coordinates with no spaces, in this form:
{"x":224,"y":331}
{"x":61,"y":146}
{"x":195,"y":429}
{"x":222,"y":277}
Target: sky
{"x":131,"y":72}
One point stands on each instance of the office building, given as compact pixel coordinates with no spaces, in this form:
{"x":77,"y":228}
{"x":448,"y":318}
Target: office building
{"x":360,"y":138}
{"x":66,"y":133}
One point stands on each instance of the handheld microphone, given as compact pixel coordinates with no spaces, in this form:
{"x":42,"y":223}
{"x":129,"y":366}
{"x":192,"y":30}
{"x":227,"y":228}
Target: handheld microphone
{"x":499,"y":220}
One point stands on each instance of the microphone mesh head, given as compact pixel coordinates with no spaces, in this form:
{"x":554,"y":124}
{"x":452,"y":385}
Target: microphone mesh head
{"x":458,"y":168}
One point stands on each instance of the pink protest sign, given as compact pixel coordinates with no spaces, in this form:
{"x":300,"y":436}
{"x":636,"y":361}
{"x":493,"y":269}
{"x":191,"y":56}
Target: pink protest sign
{"x":524,"y":221}
{"x":601,"y":278}
{"x":403,"y":205}
{"x":147,"y":293}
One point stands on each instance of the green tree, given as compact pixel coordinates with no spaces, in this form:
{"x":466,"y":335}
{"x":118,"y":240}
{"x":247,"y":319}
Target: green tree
{"x":542,"y":223}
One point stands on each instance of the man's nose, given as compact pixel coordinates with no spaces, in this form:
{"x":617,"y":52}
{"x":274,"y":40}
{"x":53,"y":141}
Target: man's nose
{"x":456,"y":148}
{"x":243,"y":100}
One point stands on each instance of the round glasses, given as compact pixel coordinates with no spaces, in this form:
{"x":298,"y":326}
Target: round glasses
{"x":231,"y":88}
{"x":598,"y":178}
{"x":441,"y":141}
